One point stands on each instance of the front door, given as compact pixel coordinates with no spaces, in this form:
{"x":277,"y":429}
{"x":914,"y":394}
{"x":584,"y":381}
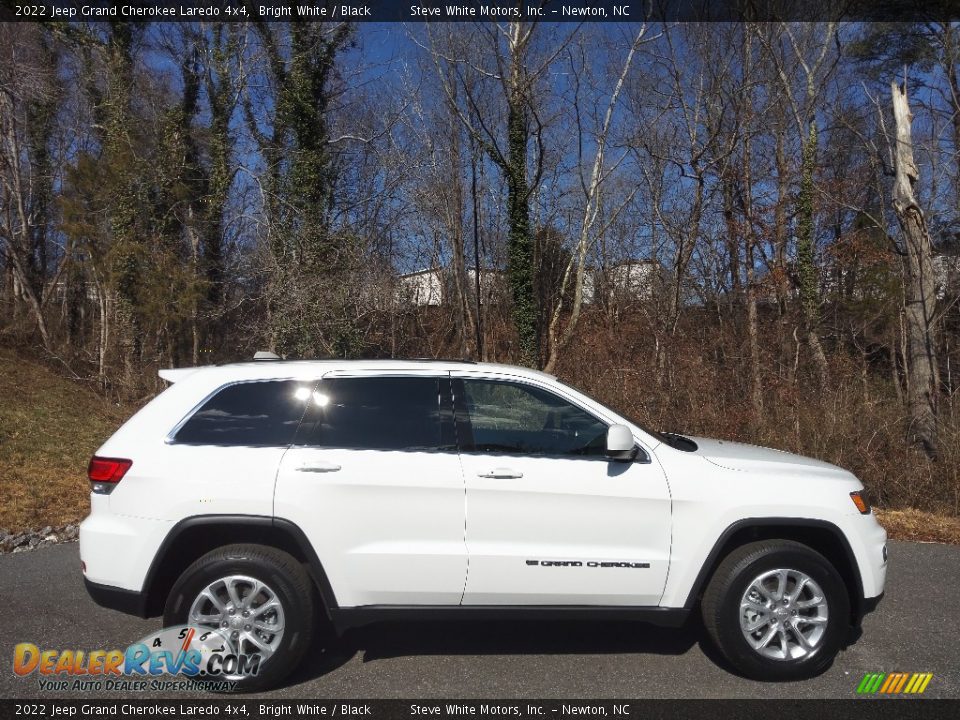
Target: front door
{"x":550,"y":520}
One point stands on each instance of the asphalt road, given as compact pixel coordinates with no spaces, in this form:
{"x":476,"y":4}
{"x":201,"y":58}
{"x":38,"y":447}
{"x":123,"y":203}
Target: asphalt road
{"x":916,"y":629}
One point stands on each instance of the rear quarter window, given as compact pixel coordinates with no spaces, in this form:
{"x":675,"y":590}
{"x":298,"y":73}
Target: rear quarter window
{"x":253,"y":414}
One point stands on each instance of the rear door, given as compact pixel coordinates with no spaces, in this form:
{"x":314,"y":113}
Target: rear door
{"x":374,"y":480}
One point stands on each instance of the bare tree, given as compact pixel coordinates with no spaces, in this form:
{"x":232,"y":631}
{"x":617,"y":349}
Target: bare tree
{"x":508,"y":50}
{"x":439,"y":191}
{"x":809,"y":52}
{"x":693,"y":144}
{"x":557,"y":337}
{"x":920,"y":294}
{"x":25,"y":82}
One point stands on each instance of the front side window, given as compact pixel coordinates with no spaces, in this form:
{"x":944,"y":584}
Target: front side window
{"x":379,"y":413}
{"x":516,"y":418}
{"x":254,"y":414}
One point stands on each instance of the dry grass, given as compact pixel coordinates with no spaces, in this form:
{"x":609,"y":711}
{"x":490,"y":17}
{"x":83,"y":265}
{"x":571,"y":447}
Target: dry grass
{"x":49,"y":428}
{"x":920,"y":526}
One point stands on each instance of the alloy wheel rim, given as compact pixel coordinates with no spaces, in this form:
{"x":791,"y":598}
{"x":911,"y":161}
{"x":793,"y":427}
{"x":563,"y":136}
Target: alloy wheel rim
{"x":246,"y":611}
{"x":784,"y":615}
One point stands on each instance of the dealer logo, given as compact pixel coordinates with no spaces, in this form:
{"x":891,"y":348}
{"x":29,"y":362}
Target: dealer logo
{"x":189,"y":652}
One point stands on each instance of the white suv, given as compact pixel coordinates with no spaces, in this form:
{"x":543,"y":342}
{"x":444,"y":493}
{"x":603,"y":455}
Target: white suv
{"x":262,"y":498}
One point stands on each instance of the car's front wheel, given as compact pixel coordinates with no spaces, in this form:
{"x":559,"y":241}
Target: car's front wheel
{"x":777,"y":609}
{"x":259,"y":599}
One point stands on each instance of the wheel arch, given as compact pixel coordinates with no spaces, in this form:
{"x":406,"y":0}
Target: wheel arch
{"x":193,"y":537}
{"x":819,"y":535}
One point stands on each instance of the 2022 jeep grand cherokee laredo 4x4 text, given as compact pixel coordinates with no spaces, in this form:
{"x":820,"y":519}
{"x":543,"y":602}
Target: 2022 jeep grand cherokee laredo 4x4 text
{"x":260,"y":498}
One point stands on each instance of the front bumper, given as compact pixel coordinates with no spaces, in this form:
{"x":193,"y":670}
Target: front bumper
{"x":868,"y":541}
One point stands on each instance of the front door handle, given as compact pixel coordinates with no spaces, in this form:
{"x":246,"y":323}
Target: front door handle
{"x":501,"y":474}
{"x":319,"y":467}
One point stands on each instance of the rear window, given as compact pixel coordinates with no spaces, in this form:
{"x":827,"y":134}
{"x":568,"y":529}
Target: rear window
{"x":379,"y":413}
{"x":264,"y":414}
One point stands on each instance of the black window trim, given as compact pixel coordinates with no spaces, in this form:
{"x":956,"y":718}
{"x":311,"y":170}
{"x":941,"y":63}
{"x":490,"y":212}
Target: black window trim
{"x":463,"y":424}
{"x":454,"y":412}
{"x":170,"y":439}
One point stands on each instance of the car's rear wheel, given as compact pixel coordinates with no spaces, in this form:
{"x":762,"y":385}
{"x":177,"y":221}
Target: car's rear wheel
{"x":258,"y":598}
{"x":777,"y":609}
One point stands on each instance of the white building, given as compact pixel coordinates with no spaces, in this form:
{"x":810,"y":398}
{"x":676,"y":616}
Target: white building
{"x":421,"y":288}
{"x":89,"y":290}
{"x":633,"y":280}
{"x":493,"y":285}
{"x":434,"y":286}
{"x":624,"y":282}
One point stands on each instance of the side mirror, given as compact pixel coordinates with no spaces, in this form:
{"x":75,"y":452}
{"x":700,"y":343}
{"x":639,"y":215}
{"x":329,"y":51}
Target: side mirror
{"x":620,"y":443}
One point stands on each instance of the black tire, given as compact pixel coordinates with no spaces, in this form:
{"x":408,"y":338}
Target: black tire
{"x":275,"y":568}
{"x":721,"y":609}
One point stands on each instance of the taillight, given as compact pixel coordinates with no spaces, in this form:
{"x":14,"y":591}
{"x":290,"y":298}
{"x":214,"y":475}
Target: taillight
{"x":105,"y":473}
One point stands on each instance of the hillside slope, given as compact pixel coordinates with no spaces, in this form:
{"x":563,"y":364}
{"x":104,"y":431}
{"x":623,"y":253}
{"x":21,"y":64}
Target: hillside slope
{"x":49,"y":428}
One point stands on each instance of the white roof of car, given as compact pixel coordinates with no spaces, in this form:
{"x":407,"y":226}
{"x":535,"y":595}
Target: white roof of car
{"x":264,"y":369}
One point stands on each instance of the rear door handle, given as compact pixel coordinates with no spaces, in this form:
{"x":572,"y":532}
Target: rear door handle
{"x":319,"y":467}
{"x":501,"y":474}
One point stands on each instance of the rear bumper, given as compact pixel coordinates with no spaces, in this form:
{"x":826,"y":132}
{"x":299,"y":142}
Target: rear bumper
{"x":131,"y":602}
{"x":117,"y":550}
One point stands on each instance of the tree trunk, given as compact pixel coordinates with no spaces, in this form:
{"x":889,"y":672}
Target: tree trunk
{"x":477,"y":277}
{"x":103,"y":303}
{"x":520,"y":267}
{"x":781,"y":275}
{"x":753,"y":331}
{"x":684,"y":255}
{"x":749,"y":235}
{"x":27,"y":292}
{"x":894,"y":358}
{"x":919,"y":286}
{"x":195,"y":273}
{"x":807,"y":275}
{"x":463,"y":318}
{"x":733,"y":234}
